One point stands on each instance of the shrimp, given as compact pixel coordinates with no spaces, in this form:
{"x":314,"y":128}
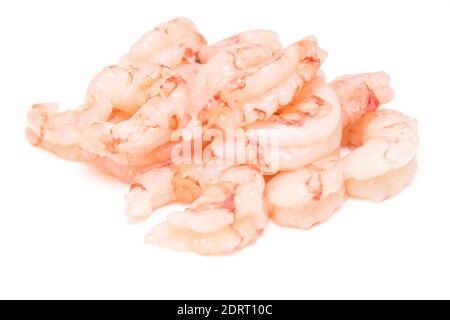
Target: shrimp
{"x":265,"y":38}
{"x":133,"y":140}
{"x":114,"y":90}
{"x":384,"y":159}
{"x":286,"y":159}
{"x":172,"y":43}
{"x":229,"y":215}
{"x":221,"y":67}
{"x":256,"y":93}
{"x":188,"y":72}
{"x":163,"y":185}
{"x":303,"y":57}
{"x":296,"y":125}
{"x":308,"y":196}
{"x":302,"y":132}
{"x":126,"y":172}
{"x":362,"y":93}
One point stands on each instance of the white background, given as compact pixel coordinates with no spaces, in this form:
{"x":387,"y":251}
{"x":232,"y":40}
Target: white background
{"x":62,"y":229}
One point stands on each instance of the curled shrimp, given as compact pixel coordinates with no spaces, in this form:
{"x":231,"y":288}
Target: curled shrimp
{"x":116,"y":92}
{"x":303,"y":57}
{"x":163,"y":185}
{"x":265,"y":38}
{"x":172,"y":43}
{"x":127,"y":170}
{"x":224,"y":65}
{"x":362,"y":93}
{"x":308,"y":196}
{"x":132,"y":141}
{"x":229,"y":215}
{"x":302,"y":132}
{"x":244,"y":95}
{"x":383,"y":161}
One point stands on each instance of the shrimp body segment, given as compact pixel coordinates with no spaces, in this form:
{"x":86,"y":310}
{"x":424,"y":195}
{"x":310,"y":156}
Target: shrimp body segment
{"x":229,"y":215}
{"x":384,"y":159}
{"x":162,"y":185}
{"x":362,"y":93}
{"x":307,"y":196}
{"x":302,"y":132}
{"x":264,"y":38}
{"x":150,"y":127}
{"x":172,"y":43}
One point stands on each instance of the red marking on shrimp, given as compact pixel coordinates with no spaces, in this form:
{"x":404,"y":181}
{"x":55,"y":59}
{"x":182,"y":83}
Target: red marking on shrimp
{"x":261,"y":113}
{"x":372,"y":102}
{"x":310,"y":59}
{"x":319,"y":101}
{"x":137,"y":185}
{"x":318,"y":195}
{"x":229,"y":203}
{"x":237,"y":84}
{"x":175,"y":79}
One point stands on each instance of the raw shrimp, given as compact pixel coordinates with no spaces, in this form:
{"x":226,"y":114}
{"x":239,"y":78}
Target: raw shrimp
{"x":309,"y":195}
{"x":188,"y":72}
{"x":132,"y":141}
{"x":303,"y":57}
{"x":283,"y":159}
{"x":257,"y":92}
{"x":229,"y":215}
{"x":127,"y":171}
{"x":162,"y":185}
{"x":384,"y":160}
{"x":297,"y":135}
{"x":362,"y":93}
{"x":115,"y":89}
{"x":171,"y":44}
{"x":296,"y":125}
{"x":265,"y":38}
{"x":223,"y":66}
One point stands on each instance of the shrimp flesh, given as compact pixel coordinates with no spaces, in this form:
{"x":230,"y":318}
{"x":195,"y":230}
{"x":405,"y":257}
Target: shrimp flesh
{"x":308,"y":196}
{"x":171,"y":44}
{"x":229,"y":215}
{"x":384,"y":159}
{"x":304,"y":131}
{"x":362,"y":93}
{"x":151,"y":126}
{"x":163,"y":185}
{"x":114,"y":90}
{"x":264,"y":38}
{"x":256,"y":92}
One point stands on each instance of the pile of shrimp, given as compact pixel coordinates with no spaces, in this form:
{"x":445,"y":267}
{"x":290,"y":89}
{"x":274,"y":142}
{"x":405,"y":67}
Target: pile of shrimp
{"x":165,"y":120}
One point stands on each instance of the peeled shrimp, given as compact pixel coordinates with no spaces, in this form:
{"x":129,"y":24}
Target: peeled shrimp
{"x":307,"y":196}
{"x":223,"y":66}
{"x":264,"y":38}
{"x":124,"y":87}
{"x":229,"y":215}
{"x":132,"y":141}
{"x":362,"y":93}
{"x":128,"y":169}
{"x":172,"y":43}
{"x":114,"y":89}
{"x":297,"y":135}
{"x":384,"y":159}
{"x":256,"y":92}
{"x":163,"y":185}
{"x":261,"y":90}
